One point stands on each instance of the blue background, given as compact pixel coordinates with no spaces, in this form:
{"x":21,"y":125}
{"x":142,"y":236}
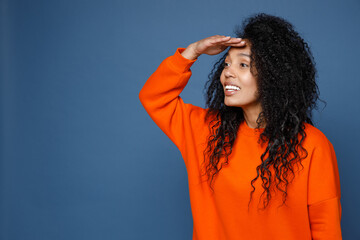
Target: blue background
{"x":80,"y":157}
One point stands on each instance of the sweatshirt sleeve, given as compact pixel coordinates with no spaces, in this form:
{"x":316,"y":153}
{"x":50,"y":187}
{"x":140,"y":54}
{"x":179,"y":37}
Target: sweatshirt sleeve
{"x":324,"y":193}
{"x":160,"y":98}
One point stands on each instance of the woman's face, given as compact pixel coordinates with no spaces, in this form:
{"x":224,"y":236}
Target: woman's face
{"x":240,"y":85}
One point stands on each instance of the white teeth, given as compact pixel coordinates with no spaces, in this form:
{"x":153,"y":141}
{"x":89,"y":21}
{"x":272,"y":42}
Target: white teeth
{"x":231,"y":87}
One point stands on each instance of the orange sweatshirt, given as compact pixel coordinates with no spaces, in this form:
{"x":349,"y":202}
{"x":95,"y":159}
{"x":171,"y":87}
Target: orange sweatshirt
{"x":313,"y":208}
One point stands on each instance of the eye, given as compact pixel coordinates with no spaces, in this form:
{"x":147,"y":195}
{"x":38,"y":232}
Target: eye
{"x":243,"y":65}
{"x":226,"y":64}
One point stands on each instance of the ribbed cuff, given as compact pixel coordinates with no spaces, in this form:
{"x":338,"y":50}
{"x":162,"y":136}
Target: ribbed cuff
{"x":180,"y":63}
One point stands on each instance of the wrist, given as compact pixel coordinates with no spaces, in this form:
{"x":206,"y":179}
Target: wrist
{"x":190,"y":53}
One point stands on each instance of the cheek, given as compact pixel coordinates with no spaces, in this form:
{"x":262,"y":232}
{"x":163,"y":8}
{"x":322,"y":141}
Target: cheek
{"x":222,"y":78}
{"x":250,"y":82}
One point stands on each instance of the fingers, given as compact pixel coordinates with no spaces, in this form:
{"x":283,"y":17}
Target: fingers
{"x":240,"y":44}
{"x":218,"y":39}
{"x":235,"y":42}
{"x":227,"y":41}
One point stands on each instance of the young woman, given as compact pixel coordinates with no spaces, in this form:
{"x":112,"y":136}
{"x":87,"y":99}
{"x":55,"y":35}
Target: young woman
{"x":256,"y":133}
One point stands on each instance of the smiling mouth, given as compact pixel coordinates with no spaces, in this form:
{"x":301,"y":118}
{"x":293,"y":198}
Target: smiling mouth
{"x":231,"y":88}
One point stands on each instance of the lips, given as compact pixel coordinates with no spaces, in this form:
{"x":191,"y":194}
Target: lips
{"x":230,"y":88}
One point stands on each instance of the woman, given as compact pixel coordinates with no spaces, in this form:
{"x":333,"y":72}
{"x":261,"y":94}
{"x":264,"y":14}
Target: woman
{"x":257,"y":124}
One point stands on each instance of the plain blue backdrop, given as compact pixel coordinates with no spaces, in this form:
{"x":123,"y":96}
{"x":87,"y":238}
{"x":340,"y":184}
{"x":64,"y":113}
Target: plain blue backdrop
{"x":80,"y":157}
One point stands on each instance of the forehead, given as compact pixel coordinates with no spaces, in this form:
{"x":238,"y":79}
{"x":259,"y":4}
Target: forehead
{"x":239,"y":52}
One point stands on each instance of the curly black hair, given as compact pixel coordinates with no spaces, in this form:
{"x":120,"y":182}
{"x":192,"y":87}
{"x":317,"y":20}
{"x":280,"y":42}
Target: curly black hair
{"x":288,"y":92}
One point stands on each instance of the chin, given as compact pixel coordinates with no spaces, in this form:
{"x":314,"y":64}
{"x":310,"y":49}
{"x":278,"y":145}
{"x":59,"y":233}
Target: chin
{"x":230,"y":104}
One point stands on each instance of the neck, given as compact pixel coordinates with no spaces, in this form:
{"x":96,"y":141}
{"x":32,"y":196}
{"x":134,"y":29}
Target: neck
{"x":251,"y":114}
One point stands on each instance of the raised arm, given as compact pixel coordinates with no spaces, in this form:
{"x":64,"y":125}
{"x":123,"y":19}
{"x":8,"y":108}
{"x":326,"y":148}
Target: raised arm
{"x":160,"y":94}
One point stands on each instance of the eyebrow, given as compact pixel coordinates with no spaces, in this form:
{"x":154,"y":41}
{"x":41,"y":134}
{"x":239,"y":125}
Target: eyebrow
{"x":244,"y":54}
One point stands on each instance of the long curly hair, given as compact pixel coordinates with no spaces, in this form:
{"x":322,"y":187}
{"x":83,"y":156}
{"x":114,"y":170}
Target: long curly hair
{"x":285,"y":70}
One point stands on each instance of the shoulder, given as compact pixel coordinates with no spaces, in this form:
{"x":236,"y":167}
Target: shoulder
{"x":314,"y":134}
{"x":198,"y":115}
{"x":316,"y":139}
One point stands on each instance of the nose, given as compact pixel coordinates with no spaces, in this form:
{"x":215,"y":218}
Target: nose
{"x":228,"y":72}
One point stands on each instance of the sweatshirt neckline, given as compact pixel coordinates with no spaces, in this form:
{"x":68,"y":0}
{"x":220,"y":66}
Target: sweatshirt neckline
{"x":252,"y":132}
